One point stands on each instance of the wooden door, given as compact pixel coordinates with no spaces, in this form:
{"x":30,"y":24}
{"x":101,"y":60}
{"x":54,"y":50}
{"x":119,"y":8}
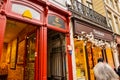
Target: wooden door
{"x":30,"y":57}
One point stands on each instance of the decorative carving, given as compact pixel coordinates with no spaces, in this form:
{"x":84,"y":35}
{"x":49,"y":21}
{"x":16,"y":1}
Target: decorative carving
{"x":89,"y":37}
{"x":1,"y":3}
{"x":2,"y":11}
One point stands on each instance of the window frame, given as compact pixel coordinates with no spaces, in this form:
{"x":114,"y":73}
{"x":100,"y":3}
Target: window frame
{"x":89,"y":4}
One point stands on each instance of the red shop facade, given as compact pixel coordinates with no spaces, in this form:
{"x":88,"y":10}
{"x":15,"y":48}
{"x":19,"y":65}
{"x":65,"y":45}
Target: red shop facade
{"x":34,"y":41}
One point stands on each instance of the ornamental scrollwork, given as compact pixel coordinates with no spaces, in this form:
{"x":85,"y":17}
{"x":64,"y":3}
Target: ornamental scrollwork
{"x":1,"y":3}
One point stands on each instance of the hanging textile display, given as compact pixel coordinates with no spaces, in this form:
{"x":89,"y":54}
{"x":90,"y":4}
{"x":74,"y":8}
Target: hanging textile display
{"x":109,"y":57}
{"x":90,"y":60}
{"x":97,"y":53}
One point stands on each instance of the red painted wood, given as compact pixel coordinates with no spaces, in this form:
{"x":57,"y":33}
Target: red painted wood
{"x":43,"y":53}
{"x":48,"y":8}
{"x":70,"y":74}
{"x":2,"y":30}
{"x":37,"y":56}
{"x":57,"y":29}
{"x":43,"y":47}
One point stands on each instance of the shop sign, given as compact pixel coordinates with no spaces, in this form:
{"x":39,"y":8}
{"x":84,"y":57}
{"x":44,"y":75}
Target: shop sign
{"x":56,"y":21}
{"x":97,"y":32}
{"x":26,"y":11}
{"x":102,"y":34}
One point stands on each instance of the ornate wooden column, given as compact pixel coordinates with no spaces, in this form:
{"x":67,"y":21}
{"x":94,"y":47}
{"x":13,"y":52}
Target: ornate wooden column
{"x":2,"y":25}
{"x":69,"y":55}
{"x":43,"y":53}
{"x":2,"y":30}
{"x":43,"y":48}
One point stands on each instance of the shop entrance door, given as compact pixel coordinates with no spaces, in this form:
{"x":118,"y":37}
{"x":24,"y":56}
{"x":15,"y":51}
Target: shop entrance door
{"x":19,"y":50}
{"x":30,"y":57}
{"x":56,"y":56}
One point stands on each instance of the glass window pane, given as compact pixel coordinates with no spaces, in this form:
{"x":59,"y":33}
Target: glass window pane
{"x":80,"y":57}
{"x":116,"y":5}
{"x":111,"y":3}
{"x":89,"y":5}
{"x":116,"y":26}
{"x":89,"y":1}
{"x":61,"y":2}
{"x":80,"y":1}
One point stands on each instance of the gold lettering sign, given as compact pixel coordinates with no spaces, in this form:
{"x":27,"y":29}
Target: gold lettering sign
{"x":56,"y":21}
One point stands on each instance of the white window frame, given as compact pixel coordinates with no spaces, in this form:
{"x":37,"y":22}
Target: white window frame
{"x":116,"y":25}
{"x":116,"y":6}
{"x":111,"y":3}
{"x":88,"y":4}
{"x":58,"y":3}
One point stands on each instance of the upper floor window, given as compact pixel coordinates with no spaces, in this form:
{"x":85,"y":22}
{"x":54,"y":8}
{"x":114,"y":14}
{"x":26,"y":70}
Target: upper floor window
{"x":79,"y":1}
{"x":116,"y":5}
{"x":89,"y":1}
{"x":111,"y":3}
{"x":117,"y":29}
{"x":106,"y":1}
{"x":89,"y":4}
{"x":61,"y":2}
{"x":110,"y":22}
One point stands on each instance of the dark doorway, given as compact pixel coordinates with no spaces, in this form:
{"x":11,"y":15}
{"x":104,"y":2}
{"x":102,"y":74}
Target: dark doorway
{"x":56,"y":56}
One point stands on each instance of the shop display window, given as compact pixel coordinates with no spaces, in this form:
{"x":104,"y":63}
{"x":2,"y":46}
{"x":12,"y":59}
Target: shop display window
{"x":80,"y":57}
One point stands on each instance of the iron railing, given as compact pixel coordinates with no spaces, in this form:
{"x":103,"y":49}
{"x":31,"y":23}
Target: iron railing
{"x":89,"y":14}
